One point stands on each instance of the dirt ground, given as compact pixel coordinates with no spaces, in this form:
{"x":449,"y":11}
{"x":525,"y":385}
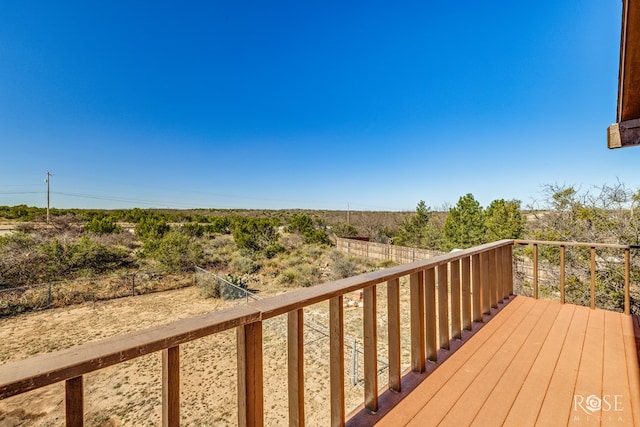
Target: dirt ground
{"x":129,"y":394}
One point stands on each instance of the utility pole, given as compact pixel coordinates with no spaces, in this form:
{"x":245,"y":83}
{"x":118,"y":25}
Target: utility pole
{"x":48,"y":198}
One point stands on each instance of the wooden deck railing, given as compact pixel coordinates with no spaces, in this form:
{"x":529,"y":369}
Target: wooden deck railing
{"x":461,"y":286}
{"x":535,"y":244}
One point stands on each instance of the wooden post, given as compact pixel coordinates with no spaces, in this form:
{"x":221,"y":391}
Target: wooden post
{"x":506,"y":272}
{"x":430,"y":312}
{"x":370,"y":350}
{"x":494,"y":283}
{"x":593,"y":278}
{"x":476,"y":283}
{"x":510,"y":269}
{"x":535,"y":270}
{"x":484,"y":282}
{"x":171,"y":387}
{"x":393,"y":324}
{"x":456,"y":331}
{"x":443,"y":307}
{"x":250,"y":376}
{"x":627,"y":281}
{"x":336,"y":358}
{"x":562,"y":273}
{"x":295,"y":366}
{"x":416,"y":290}
{"x":466,"y":293}
{"x":74,"y":402}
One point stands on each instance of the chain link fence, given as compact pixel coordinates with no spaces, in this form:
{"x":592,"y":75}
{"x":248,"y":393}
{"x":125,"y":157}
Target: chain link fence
{"x":42,"y":296}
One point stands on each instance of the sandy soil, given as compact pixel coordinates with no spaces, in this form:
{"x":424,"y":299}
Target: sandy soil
{"x":129,"y":394}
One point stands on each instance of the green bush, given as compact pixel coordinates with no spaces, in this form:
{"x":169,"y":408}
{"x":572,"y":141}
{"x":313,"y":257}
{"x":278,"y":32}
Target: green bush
{"x":244,"y":265}
{"x":151,"y":227}
{"x":177,"y":251}
{"x":257,"y":235}
{"x":68,"y":259}
{"x":312,"y":231}
{"x":106,"y":225}
{"x":193,"y":229}
{"x":288,"y":277}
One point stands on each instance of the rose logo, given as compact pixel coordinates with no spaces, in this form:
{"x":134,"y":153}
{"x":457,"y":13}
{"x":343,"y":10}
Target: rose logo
{"x":593,"y":403}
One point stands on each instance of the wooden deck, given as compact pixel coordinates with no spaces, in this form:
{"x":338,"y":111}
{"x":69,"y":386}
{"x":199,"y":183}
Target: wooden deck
{"x":536,"y":362}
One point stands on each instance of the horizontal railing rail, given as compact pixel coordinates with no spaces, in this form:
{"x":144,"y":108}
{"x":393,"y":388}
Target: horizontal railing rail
{"x":535,"y":244}
{"x":447,"y":294}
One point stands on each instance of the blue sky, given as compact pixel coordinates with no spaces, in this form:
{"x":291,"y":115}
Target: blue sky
{"x":314,"y":105}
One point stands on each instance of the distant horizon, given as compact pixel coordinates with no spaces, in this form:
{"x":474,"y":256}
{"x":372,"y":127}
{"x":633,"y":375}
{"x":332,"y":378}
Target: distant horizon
{"x":254,"y":106}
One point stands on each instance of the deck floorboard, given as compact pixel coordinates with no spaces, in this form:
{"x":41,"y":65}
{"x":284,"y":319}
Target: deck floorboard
{"x":535,"y":363}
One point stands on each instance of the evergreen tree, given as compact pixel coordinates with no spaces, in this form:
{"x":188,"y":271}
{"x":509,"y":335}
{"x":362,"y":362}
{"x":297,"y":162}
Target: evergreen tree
{"x":465,"y":224}
{"x":503,"y":220}
{"x":414,"y":232}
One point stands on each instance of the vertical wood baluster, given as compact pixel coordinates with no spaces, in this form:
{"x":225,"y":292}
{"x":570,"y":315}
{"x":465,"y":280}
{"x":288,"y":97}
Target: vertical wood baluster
{"x":295,"y":366}
{"x":336,"y":357}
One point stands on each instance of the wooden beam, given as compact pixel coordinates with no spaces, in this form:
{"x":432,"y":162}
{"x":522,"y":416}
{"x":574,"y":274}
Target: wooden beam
{"x":626,"y":131}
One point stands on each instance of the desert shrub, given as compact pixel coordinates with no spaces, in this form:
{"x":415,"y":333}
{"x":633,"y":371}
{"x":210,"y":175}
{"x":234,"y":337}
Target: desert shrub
{"x":192,"y":229}
{"x":291,"y":242}
{"x":309,"y":275}
{"x":244,"y":265}
{"x":301,"y":275}
{"x":342,"y":266}
{"x":257,"y":235}
{"x":122,"y":239}
{"x":219,"y":224}
{"x":344,"y":230}
{"x":176,"y":251}
{"x":208,"y":286}
{"x":86,"y":254}
{"x":312,"y":231}
{"x":151,"y":227}
{"x":288,"y":277}
{"x":21,"y":212}
{"x":106,"y":225}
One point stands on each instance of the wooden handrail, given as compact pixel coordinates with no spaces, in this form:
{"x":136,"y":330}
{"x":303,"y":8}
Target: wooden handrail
{"x":39,"y":371}
{"x":582,"y":244}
